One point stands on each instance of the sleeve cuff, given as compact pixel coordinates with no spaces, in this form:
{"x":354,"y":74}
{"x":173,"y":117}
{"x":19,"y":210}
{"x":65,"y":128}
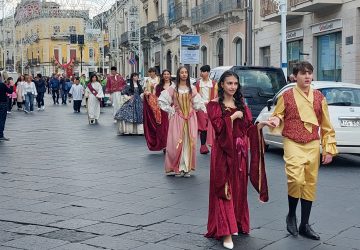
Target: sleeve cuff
{"x":329,"y":148}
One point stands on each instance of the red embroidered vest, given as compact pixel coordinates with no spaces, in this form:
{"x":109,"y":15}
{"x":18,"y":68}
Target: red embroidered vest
{"x":294,"y":128}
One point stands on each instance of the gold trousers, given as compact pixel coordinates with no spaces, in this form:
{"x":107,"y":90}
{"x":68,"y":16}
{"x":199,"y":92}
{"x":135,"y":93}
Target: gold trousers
{"x":301,"y":166}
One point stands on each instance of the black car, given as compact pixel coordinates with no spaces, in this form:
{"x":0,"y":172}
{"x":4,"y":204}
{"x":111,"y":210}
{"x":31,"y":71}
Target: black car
{"x":259,"y":84}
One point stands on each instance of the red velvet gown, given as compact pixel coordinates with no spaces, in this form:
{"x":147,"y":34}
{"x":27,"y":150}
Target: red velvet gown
{"x":229,"y":161}
{"x":155,"y":128}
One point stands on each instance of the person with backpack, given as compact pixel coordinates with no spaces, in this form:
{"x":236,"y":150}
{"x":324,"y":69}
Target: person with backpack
{"x":41,"y":89}
{"x":55,"y":88}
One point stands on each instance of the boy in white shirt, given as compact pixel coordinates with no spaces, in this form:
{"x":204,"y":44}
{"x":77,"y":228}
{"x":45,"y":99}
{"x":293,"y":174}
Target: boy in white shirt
{"x":77,"y":92}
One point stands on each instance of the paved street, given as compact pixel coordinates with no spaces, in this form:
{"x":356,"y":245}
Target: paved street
{"x":67,"y":185}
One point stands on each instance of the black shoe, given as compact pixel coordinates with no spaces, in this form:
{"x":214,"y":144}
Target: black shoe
{"x":291,"y":225}
{"x":308,"y":232}
{"x":4,"y":139}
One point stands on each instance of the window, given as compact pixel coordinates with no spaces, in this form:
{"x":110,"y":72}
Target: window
{"x":294,"y":50}
{"x":265,"y":56}
{"x":329,"y":57}
{"x":204,"y":55}
{"x":91,"y":54}
{"x":56,"y":29}
{"x":238,"y":51}
{"x":72,"y":29}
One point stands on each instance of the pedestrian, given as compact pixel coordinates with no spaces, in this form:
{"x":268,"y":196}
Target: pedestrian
{"x":207,"y":89}
{"x":151,"y":81}
{"x":12,"y":96}
{"x":181,"y":101}
{"x":130,"y":115}
{"x":93,"y":95}
{"x":4,"y":91}
{"x":63,"y":89}
{"x":156,"y":120}
{"x":41,"y":89}
{"x":232,"y":122}
{"x":19,"y":92}
{"x":29,"y":93}
{"x":77,"y":93}
{"x":55,"y":88}
{"x":115,"y":83}
{"x":302,"y":112}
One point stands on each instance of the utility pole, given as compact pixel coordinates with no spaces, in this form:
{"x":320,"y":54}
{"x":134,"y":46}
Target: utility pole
{"x":249,"y":33}
{"x":283,"y":12}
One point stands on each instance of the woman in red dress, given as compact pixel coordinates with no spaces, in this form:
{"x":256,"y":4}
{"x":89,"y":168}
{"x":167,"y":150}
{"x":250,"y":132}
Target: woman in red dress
{"x":156,"y":121}
{"x":232,"y":122}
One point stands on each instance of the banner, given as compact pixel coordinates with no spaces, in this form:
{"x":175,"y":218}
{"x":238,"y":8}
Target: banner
{"x":190,"y":49}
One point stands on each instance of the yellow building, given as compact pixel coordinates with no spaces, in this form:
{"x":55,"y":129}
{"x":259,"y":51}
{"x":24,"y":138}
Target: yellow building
{"x":43,"y":32}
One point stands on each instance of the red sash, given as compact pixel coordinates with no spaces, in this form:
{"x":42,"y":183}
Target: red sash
{"x":94,"y":92}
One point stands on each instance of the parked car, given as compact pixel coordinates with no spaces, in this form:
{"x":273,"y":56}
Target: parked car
{"x":344,"y":108}
{"x":258,"y":84}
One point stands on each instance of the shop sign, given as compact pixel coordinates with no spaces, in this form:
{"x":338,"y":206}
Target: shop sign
{"x":327,"y":26}
{"x":294,"y":34}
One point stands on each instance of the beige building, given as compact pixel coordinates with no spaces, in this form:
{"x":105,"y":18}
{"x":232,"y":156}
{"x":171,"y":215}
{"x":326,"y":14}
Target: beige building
{"x":325,"y":33}
{"x":43,"y":32}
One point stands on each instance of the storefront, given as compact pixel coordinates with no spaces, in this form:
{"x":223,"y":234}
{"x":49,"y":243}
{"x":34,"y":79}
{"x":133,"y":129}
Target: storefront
{"x":328,"y":37}
{"x":294,"y":48}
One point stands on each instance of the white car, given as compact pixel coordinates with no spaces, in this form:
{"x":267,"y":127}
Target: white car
{"x":344,"y":108}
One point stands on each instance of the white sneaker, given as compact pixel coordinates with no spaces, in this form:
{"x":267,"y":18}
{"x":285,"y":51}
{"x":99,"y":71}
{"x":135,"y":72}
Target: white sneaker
{"x":38,"y":109}
{"x":42,"y":107}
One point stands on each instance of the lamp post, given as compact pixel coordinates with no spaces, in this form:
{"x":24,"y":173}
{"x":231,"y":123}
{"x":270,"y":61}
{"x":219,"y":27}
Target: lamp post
{"x":283,"y":13}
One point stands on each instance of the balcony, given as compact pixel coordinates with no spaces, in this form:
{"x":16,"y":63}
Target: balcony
{"x":124,"y":39}
{"x":182,"y":17}
{"x":270,"y":11}
{"x":144,"y":34}
{"x":313,"y":5}
{"x":164,"y":26}
{"x":216,"y":11}
{"x":152,"y":28}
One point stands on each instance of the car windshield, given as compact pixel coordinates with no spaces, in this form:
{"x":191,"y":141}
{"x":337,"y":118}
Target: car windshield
{"x":269,"y":81}
{"x":342,"y":96}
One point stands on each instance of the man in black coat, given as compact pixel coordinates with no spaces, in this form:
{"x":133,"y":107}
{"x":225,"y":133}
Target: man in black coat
{"x":41,"y":89}
{"x":4,"y":90}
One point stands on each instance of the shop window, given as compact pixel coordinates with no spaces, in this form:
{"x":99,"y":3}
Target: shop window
{"x":220,"y":50}
{"x":329,"y":57}
{"x":294,"y":54}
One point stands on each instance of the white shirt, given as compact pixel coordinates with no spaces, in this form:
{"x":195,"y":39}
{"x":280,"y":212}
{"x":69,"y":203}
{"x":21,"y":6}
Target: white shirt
{"x":29,"y":88}
{"x":77,"y":92}
{"x":205,"y":88}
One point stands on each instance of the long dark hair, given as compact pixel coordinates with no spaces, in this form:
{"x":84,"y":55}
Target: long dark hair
{"x":188,"y":83}
{"x":238,"y":97}
{"x":161,"y":84}
{"x":132,"y":85}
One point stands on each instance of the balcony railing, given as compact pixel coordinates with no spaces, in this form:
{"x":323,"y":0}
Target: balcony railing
{"x":152,"y":27}
{"x":143,"y":32}
{"x":124,"y":38}
{"x":213,"y":8}
{"x":313,"y":5}
{"x":181,"y":11}
{"x":297,"y":2}
{"x":163,"y":22}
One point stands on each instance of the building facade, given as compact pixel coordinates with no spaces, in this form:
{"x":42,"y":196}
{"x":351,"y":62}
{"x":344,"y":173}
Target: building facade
{"x":8,"y":46}
{"x":43,"y":32}
{"x":325,"y":33}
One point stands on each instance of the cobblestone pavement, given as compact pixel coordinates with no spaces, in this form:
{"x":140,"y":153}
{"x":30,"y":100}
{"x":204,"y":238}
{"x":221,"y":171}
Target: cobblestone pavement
{"x":67,"y":185}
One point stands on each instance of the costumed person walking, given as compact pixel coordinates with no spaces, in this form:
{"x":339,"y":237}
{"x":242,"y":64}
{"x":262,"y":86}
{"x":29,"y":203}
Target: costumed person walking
{"x":156,"y":121}
{"x":93,"y":95}
{"x":77,"y":93}
{"x":115,"y":83}
{"x":300,"y":113}
{"x":151,"y":81}
{"x":180,"y":101}
{"x":29,"y":93}
{"x":4,"y":91}
{"x":207,"y":89}
{"x":232,"y":122}
{"x":130,"y":115}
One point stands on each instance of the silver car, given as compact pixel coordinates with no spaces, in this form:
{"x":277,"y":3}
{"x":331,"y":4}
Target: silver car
{"x":344,"y":108}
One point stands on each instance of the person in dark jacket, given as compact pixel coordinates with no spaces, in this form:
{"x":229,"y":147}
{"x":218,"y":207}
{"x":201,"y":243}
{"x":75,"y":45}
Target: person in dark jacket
{"x":55,"y":87}
{"x":41,"y":89}
{"x":4,"y":91}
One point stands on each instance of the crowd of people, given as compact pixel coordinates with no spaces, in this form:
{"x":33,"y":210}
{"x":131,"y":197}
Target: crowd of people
{"x":172,"y":115}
